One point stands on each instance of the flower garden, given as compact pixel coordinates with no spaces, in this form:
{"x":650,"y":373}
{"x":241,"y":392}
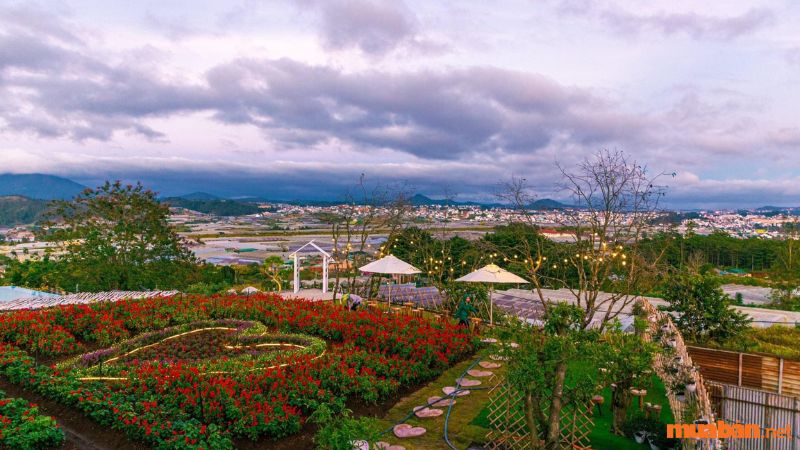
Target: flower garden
{"x":204,"y":372}
{"x":23,"y":428}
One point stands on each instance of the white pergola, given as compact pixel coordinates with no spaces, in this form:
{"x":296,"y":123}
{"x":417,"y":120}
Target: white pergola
{"x":326,"y":259}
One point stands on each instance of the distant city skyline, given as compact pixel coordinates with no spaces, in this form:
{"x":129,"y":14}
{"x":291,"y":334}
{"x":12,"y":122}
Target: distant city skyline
{"x":295,"y":99}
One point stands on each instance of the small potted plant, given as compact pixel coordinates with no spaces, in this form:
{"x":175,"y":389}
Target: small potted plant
{"x":679,"y":389}
{"x":640,"y":428}
{"x":691,"y":385}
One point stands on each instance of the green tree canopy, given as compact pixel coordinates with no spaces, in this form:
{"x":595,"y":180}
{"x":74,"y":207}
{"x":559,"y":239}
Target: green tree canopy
{"x":703,"y":310}
{"x":119,"y":237}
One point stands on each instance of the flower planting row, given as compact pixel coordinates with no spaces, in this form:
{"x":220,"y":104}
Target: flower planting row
{"x":220,"y":346}
{"x":173,"y":401}
{"x":23,"y":428}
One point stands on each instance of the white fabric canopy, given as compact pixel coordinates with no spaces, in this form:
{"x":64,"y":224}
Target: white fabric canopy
{"x":390,"y":265}
{"x":491,"y":273}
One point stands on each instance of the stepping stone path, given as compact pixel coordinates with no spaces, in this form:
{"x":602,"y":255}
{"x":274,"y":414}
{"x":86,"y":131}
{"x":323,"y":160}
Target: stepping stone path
{"x":466,"y":382}
{"x":405,"y":430}
{"x":489,"y":341}
{"x":479,"y":373}
{"x":489,"y":365}
{"x":450,"y":389}
{"x":498,"y":358}
{"x":380,"y":445}
{"x":440,"y":402}
{"x":423,"y":412}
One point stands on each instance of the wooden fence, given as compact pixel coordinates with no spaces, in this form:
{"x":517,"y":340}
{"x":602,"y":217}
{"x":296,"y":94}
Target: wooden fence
{"x":742,"y":405}
{"x":762,"y":372}
{"x":701,"y":401}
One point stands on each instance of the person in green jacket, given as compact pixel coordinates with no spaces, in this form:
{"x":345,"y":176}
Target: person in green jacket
{"x":464,"y":310}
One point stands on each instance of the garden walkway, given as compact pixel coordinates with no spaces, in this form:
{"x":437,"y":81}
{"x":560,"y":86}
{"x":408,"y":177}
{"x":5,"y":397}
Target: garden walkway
{"x":463,"y":428}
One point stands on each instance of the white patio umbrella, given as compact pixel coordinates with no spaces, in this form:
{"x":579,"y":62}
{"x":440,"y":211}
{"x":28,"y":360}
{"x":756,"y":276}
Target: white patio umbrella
{"x":390,"y":265}
{"x":491,"y":274}
{"x":250,"y":290}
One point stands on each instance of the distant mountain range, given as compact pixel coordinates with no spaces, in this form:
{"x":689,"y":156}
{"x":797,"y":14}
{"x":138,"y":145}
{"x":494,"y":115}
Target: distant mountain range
{"x":39,"y":186}
{"x":199,"y":196}
{"x":17,"y":210}
{"x":422,"y":200}
{"x":216,"y":206}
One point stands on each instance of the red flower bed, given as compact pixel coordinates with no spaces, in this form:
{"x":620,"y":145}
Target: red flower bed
{"x":173,"y":405}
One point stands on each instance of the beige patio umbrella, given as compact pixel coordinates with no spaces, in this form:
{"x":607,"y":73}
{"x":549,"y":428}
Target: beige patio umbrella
{"x":390,"y":265}
{"x":249,"y":290}
{"x":491,"y":274}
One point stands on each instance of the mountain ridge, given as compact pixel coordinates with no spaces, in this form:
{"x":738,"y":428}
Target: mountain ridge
{"x":39,"y":186}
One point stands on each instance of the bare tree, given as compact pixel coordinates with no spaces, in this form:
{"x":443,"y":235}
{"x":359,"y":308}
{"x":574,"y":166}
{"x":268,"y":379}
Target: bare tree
{"x":367,"y":210}
{"x":614,"y":200}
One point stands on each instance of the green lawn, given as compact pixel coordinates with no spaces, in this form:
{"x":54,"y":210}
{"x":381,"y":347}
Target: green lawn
{"x":469,"y":418}
{"x":601,"y":437}
{"x":461,"y":429}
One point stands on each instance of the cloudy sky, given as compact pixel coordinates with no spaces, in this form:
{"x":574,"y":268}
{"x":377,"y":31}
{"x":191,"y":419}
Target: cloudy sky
{"x":296,"y":98}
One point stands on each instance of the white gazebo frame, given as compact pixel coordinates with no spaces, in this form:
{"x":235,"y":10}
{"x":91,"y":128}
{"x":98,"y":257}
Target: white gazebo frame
{"x":326,"y":260}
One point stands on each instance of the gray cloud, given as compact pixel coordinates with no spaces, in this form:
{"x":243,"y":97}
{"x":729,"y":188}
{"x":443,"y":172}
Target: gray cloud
{"x":374,"y":27}
{"x":691,"y":24}
{"x":58,"y":88}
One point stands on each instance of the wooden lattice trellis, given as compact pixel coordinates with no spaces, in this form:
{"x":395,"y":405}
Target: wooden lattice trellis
{"x":509,"y":430}
{"x":508,"y":427}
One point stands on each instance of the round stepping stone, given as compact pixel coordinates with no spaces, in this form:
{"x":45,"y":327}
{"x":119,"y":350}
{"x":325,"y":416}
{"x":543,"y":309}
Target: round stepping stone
{"x":380,"y":445}
{"x":498,"y":358}
{"x":489,"y":341}
{"x":466,"y":382}
{"x":423,"y":412}
{"x":440,"y":402}
{"x":448,"y":390}
{"x":405,"y":430}
{"x":479,"y":373}
{"x":489,"y":365}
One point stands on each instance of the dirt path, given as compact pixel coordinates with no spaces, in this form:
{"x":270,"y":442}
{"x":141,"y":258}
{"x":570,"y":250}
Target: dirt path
{"x":82,"y":433}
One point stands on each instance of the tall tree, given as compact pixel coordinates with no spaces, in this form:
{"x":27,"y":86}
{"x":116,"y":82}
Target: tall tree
{"x":703,"y":310}
{"x":119,"y":237}
{"x":614,"y":200}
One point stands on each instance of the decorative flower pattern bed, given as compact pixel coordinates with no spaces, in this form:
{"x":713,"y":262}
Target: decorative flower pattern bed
{"x":208,"y":391}
{"x":211,"y":346}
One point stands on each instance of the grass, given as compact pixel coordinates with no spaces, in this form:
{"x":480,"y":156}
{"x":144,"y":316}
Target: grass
{"x":462,"y":430}
{"x":601,"y":437}
{"x":469,"y":421}
{"x":780,"y":341}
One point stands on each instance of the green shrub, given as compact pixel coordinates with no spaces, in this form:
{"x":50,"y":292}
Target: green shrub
{"x":342,"y":431}
{"x":23,"y":428}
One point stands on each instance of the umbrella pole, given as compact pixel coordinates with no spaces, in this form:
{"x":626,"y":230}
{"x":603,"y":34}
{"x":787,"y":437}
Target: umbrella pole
{"x":491,"y":309}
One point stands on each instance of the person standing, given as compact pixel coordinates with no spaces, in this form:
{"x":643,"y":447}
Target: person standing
{"x":464,"y":310}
